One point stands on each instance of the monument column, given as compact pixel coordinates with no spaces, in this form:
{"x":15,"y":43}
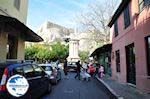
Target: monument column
{"x":73,"y":50}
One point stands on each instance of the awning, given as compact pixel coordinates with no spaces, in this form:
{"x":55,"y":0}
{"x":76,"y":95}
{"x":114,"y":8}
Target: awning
{"x":104,"y":48}
{"x":29,"y":35}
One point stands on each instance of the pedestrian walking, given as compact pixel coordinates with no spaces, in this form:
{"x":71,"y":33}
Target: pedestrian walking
{"x":84,"y":75}
{"x":65,"y":68}
{"x":78,"y":70}
{"x":85,"y":66}
{"x":101,"y":71}
{"x":91,"y":69}
{"x":96,"y":70}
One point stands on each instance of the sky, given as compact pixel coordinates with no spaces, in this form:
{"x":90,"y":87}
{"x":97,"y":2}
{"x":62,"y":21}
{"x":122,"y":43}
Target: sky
{"x":61,"y":12}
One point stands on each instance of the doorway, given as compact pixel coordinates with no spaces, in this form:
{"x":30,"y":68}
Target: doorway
{"x":12,"y":47}
{"x":130,"y":61}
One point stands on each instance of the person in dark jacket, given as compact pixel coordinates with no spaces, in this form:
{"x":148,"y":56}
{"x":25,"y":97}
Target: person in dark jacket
{"x":96,"y":70}
{"x":78,"y":70}
{"x":65,"y":68}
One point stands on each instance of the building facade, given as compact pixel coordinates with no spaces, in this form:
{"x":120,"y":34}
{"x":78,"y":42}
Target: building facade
{"x":130,"y":57}
{"x":86,"y":43}
{"x":13,"y":31}
{"x":14,"y":8}
{"x":103,"y":56}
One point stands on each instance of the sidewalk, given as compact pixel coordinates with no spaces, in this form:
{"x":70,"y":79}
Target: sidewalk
{"x":122,"y":91}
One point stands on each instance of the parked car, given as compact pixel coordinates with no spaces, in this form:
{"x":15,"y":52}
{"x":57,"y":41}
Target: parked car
{"x":38,"y":80}
{"x":60,"y":66}
{"x":54,"y":64}
{"x":71,"y":66}
{"x":53,"y":72}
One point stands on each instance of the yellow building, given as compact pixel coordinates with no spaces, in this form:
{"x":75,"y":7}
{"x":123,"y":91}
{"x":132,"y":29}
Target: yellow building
{"x":13,"y":31}
{"x":14,"y":8}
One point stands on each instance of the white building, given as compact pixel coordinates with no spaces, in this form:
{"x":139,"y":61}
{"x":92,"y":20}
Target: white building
{"x":85,"y":42}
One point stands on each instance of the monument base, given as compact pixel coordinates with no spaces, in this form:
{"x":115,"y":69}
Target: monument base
{"x":71,"y":59}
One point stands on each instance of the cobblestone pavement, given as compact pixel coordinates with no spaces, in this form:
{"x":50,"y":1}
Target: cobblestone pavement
{"x":72,"y":88}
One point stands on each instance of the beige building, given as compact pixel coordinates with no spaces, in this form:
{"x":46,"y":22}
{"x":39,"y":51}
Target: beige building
{"x":14,"y":8}
{"x":13,"y":31}
{"x":86,"y":43}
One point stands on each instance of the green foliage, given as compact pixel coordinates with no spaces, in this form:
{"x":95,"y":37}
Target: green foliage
{"x":60,"y":50}
{"x":30,"y":52}
{"x":46,"y":51}
{"x":83,"y":55}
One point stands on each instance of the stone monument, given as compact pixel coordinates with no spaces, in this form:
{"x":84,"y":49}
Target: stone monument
{"x":73,"y":47}
{"x":73,"y":50}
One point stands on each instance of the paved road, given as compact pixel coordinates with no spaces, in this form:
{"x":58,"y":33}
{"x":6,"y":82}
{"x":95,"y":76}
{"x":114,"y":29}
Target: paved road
{"x":75,"y":89}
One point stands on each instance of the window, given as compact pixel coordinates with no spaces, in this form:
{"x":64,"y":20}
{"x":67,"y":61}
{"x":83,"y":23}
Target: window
{"x":148,"y":54}
{"x":116,"y":28}
{"x":37,"y":71}
{"x":18,"y":70}
{"x":126,"y":17}
{"x":117,"y":61}
{"x":17,"y":4}
{"x":47,"y":68}
{"x":28,"y":70}
{"x":142,"y":4}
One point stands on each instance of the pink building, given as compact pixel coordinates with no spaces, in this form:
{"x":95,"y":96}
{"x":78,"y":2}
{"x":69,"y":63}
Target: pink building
{"x":130,"y":29}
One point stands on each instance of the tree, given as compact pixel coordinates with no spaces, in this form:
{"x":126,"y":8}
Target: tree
{"x":83,"y":55}
{"x":61,"y":50}
{"x":96,"y":18}
{"x":31,"y":51}
{"x":46,"y":51}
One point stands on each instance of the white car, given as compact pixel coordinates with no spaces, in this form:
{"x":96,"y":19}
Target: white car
{"x":53,"y":72}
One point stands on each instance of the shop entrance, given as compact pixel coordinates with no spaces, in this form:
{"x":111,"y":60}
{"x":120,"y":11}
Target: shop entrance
{"x":130,"y":61}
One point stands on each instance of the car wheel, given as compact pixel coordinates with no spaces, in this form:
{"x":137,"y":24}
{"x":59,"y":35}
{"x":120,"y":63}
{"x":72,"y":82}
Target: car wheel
{"x":49,"y":88}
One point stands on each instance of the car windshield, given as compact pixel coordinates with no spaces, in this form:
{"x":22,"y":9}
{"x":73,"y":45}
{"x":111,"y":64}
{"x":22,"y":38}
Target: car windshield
{"x":47,"y":68}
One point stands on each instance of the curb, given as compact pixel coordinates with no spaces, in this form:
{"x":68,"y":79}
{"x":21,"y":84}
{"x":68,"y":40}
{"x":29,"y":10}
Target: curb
{"x":114,"y":95}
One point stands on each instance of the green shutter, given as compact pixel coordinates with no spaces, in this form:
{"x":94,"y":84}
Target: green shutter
{"x":126,"y":17}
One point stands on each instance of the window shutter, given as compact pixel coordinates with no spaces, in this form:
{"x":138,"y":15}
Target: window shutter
{"x":116,"y":28}
{"x":118,"y":61}
{"x":126,"y":17}
{"x":17,"y":4}
{"x":148,"y":54}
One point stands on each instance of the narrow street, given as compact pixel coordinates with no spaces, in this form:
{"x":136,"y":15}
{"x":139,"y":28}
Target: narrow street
{"x":76,"y":89}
